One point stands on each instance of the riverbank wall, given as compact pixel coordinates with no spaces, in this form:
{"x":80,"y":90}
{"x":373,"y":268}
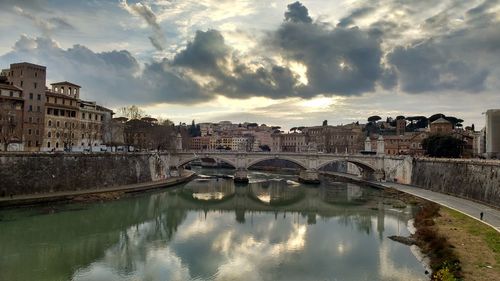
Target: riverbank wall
{"x":477,"y":180}
{"x":38,"y":173}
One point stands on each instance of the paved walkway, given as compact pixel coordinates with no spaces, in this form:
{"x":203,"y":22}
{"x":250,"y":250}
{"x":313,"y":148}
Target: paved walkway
{"x":472,"y":209}
{"x":65,"y":195}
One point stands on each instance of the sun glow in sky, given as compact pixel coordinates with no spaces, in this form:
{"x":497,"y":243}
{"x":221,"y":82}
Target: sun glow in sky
{"x":282,"y":63}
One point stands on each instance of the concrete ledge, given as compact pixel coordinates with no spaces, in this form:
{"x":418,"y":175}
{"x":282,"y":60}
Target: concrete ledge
{"x":34,"y":199}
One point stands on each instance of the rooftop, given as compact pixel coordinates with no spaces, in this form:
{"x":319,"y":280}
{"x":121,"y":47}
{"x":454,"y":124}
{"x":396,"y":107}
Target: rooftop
{"x":441,"y":121}
{"x":65,"y":83}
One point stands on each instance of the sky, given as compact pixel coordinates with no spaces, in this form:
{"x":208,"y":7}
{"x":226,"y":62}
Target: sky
{"x":275,"y":62}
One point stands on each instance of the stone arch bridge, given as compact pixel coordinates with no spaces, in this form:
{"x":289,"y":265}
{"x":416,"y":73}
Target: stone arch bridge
{"x":371,"y":166}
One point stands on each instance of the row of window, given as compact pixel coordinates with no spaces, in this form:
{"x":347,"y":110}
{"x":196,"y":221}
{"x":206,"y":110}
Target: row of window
{"x":72,"y":144}
{"x":38,"y":96}
{"x":61,"y":112}
{"x":63,"y":101}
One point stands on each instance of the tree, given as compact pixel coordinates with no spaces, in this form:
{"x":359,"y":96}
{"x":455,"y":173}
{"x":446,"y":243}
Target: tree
{"x":8,"y":124}
{"x":132,"y":112}
{"x":265,"y":147}
{"x":113,"y":131}
{"x":374,"y":118}
{"x":325,"y":122}
{"x":293,"y":129}
{"x":443,"y":146}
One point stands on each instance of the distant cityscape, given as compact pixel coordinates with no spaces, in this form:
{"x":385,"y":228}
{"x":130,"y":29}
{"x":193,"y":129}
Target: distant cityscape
{"x":35,"y":118}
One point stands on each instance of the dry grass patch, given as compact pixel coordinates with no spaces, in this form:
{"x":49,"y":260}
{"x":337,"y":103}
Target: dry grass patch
{"x":476,"y":244}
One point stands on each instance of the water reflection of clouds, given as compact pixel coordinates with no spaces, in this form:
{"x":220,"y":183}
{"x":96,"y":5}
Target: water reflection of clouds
{"x":212,"y":245}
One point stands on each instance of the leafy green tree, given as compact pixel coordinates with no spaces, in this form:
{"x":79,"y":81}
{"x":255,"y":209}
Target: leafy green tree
{"x":442,"y":146}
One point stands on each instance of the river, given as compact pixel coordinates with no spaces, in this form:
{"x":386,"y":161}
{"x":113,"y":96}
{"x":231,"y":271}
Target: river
{"x":209,"y":229}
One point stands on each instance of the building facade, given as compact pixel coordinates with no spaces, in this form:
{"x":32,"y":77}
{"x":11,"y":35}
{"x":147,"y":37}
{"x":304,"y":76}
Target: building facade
{"x":11,"y":117}
{"x":31,"y":79}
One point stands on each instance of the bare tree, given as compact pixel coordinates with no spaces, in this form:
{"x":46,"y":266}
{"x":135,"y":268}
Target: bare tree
{"x":113,"y":132}
{"x":67,"y":134}
{"x":132,"y":112}
{"x":8,"y":124}
{"x":90,"y":131}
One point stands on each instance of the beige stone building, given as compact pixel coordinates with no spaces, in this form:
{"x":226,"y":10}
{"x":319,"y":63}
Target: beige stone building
{"x":31,"y":79}
{"x":293,"y":142}
{"x":441,"y":126}
{"x":62,"y":126}
{"x":11,"y":117}
{"x":93,"y":117}
{"x":337,"y":139}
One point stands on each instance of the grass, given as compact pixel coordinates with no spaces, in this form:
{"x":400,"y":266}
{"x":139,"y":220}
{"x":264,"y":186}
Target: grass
{"x":478,"y":229}
{"x":476,"y":244}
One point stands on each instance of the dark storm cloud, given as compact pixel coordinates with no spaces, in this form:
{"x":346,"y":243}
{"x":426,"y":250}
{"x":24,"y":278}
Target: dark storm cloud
{"x":297,"y":13}
{"x":430,"y":67}
{"x":208,"y":55}
{"x":205,"y":53}
{"x":339,"y":60}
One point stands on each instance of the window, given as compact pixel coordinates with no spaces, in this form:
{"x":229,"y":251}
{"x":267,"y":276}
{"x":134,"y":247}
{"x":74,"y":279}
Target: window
{"x":57,"y":135}
{"x":11,"y":93}
{"x":50,"y":123}
{"x":34,"y":85}
{"x":57,"y":124}
{"x":95,"y":117}
{"x":29,"y":143}
{"x":48,"y":144}
{"x":57,"y":145}
{"x":38,"y":108}
{"x":83,"y":115}
{"x":31,"y":96}
{"x":36,"y":74}
{"x":30,"y":119}
{"x":49,"y":134}
{"x":29,"y":131}
{"x":22,"y":83}
{"x":39,"y":97}
{"x":30,"y":108}
{"x":37,"y":144}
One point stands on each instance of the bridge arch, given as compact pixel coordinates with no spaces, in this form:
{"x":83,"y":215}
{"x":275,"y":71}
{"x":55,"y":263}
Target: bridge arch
{"x":185,"y":161}
{"x":258,"y":160}
{"x":364,"y":166}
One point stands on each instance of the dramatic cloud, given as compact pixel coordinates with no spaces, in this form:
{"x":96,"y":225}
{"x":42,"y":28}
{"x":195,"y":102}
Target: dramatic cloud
{"x":297,"y":13}
{"x":47,"y":26}
{"x":270,"y":51}
{"x":111,"y":77}
{"x":145,"y":12}
{"x":339,"y":61}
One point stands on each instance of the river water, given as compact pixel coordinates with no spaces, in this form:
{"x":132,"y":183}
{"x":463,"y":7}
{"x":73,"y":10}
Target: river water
{"x":210,"y":229}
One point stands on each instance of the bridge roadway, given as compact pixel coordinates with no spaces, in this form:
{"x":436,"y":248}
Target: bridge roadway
{"x":464,"y":206}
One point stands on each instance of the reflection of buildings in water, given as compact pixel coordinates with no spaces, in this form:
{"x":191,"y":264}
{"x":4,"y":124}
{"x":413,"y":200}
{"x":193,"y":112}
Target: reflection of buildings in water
{"x":215,"y":190}
{"x":341,"y":192}
{"x":274,"y":192}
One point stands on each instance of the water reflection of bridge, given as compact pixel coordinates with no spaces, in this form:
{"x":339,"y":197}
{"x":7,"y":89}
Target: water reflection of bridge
{"x":332,"y":200}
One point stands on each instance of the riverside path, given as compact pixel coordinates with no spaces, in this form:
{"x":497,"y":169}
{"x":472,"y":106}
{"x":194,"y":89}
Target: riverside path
{"x":467,"y":207}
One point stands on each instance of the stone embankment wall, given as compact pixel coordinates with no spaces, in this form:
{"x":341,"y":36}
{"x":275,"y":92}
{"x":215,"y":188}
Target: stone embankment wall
{"x":30,"y":173}
{"x":472,"y":179}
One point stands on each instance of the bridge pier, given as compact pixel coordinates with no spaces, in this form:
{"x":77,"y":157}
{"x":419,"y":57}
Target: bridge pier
{"x":241,"y":176}
{"x":309,"y":176}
